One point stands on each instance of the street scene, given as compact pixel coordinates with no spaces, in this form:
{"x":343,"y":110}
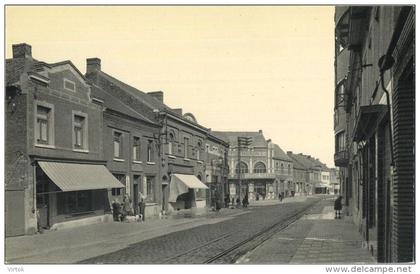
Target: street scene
{"x":240,"y":135}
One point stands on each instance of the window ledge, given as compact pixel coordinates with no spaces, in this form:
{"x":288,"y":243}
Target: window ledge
{"x":81,"y":150}
{"x":151,"y":163}
{"x":45,"y":146}
{"x":118,"y":160}
{"x":137,"y":162}
{"x":171,"y":156}
{"x":200,"y":162}
{"x":186,"y":159}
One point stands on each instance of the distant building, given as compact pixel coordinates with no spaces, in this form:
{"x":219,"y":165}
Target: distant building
{"x":374,"y":124}
{"x":283,"y":168}
{"x":255,"y":171}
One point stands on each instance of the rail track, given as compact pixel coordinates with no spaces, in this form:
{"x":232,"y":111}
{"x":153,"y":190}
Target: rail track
{"x":216,"y":252}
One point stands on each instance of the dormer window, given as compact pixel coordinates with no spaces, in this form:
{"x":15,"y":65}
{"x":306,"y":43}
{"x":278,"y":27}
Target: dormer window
{"x":69,"y":85}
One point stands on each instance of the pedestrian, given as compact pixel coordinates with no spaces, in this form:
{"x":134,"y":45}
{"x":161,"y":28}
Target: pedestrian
{"x":142,"y":206}
{"x":115,"y":210}
{"x":258,"y":196}
{"x":238,"y":202}
{"x":233,"y":202}
{"x":338,"y":207}
{"x":127,"y":205}
{"x":280,"y":197}
{"x":227,"y":199}
{"x":245,"y":201}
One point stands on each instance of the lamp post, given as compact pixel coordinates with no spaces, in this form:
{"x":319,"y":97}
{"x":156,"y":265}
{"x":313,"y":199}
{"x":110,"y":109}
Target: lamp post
{"x":243,"y":142}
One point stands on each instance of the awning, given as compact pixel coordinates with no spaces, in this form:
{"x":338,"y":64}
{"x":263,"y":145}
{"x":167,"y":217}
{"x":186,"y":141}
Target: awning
{"x":180,"y":183}
{"x":73,"y":177}
{"x":367,"y":121}
{"x":320,"y":185}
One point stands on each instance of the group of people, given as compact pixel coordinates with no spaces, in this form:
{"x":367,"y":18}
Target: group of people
{"x":231,"y":202}
{"x":120,"y":211}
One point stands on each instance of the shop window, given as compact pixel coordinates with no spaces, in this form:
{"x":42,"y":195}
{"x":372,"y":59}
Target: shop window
{"x":136,"y":149}
{"x":74,"y":202}
{"x":44,"y":127}
{"x":118,"y":191}
{"x":117,"y":144}
{"x":80,"y":130}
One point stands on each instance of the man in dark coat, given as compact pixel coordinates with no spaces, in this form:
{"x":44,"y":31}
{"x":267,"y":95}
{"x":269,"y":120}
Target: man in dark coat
{"x":338,"y":207}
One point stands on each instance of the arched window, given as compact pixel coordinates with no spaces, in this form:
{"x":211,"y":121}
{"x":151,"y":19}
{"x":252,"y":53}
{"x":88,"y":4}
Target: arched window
{"x":242,"y":168}
{"x":170,"y":143}
{"x":260,"y":168}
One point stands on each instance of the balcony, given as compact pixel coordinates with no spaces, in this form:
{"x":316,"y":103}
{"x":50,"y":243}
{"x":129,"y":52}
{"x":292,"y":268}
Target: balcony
{"x":250,"y":176}
{"x":341,"y":158}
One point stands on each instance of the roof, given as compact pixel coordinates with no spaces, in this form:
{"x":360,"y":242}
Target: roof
{"x":146,"y":99}
{"x":258,"y":139}
{"x":111,"y":102}
{"x":279,"y":154}
{"x":308,"y":162}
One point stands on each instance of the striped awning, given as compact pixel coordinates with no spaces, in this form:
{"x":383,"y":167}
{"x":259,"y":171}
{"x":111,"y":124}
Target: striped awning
{"x":74,"y":177}
{"x":180,"y":183}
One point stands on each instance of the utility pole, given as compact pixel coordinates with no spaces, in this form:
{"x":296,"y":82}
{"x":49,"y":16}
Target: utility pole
{"x":243,"y":142}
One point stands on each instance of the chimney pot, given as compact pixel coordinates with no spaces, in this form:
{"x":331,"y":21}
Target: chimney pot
{"x":22,"y":51}
{"x":93,"y":64}
{"x":260,"y":131}
{"x":178,"y":111}
{"x":290,"y":152}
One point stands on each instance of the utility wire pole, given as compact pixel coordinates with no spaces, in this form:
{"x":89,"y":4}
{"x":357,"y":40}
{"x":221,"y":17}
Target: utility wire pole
{"x":243,"y":142}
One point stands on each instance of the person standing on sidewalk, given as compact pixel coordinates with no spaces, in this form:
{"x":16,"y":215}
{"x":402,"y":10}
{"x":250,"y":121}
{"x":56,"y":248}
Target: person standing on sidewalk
{"x":338,"y":207}
{"x":142,"y":206}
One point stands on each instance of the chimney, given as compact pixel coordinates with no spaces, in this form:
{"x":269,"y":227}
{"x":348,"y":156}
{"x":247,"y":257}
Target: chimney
{"x":22,"y":51}
{"x":260,"y":131}
{"x":158,"y":95}
{"x":178,"y":111}
{"x":92,"y":65}
{"x":290,"y":152}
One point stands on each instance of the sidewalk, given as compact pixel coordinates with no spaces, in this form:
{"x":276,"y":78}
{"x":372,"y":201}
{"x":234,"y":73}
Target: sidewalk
{"x":74,"y":244}
{"x":316,"y":238}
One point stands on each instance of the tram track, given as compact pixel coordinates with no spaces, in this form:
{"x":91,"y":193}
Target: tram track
{"x":216,"y":252}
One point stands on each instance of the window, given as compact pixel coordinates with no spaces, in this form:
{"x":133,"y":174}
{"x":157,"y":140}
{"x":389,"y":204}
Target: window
{"x":69,"y":85}
{"x":117,"y":191}
{"x":80,"y":140}
{"x":340,"y":95}
{"x":186,"y":147}
{"x":340,"y":142}
{"x":288,"y":169}
{"x":260,"y":168}
{"x":150,"y":151}
{"x":282,"y":168}
{"x":149,"y":187}
{"x":44,"y":125}
{"x":241,"y":168}
{"x":74,"y":202}
{"x":198,"y":150}
{"x":117,"y":144}
{"x":170,"y":143}
{"x":136,"y":149}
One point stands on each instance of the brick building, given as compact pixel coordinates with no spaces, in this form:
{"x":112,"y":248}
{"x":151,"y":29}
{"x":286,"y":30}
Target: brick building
{"x":283,"y":168}
{"x":374,"y":124}
{"x":53,"y":158}
{"x":176,"y":159}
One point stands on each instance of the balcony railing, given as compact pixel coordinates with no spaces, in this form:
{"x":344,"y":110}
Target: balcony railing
{"x":341,"y":158}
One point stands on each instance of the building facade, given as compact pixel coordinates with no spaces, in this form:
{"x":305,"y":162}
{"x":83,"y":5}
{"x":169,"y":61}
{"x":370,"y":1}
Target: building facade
{"x":173,"y":170}
{"x":374,"y":124}
{"x":54,"y":153}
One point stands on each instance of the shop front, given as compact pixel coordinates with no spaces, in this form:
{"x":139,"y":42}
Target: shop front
{"x":70,"y":191}
{"x":186,"y":192}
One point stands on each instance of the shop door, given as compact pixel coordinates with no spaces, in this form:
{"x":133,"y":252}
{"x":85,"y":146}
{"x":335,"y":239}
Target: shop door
{"x":136,"y":199}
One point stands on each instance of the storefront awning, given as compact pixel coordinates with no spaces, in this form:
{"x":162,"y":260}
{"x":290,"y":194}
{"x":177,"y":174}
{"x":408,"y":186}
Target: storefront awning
{"x":180,"y":183}
{"x":367,"y":120}
{"x":74,"y":177}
